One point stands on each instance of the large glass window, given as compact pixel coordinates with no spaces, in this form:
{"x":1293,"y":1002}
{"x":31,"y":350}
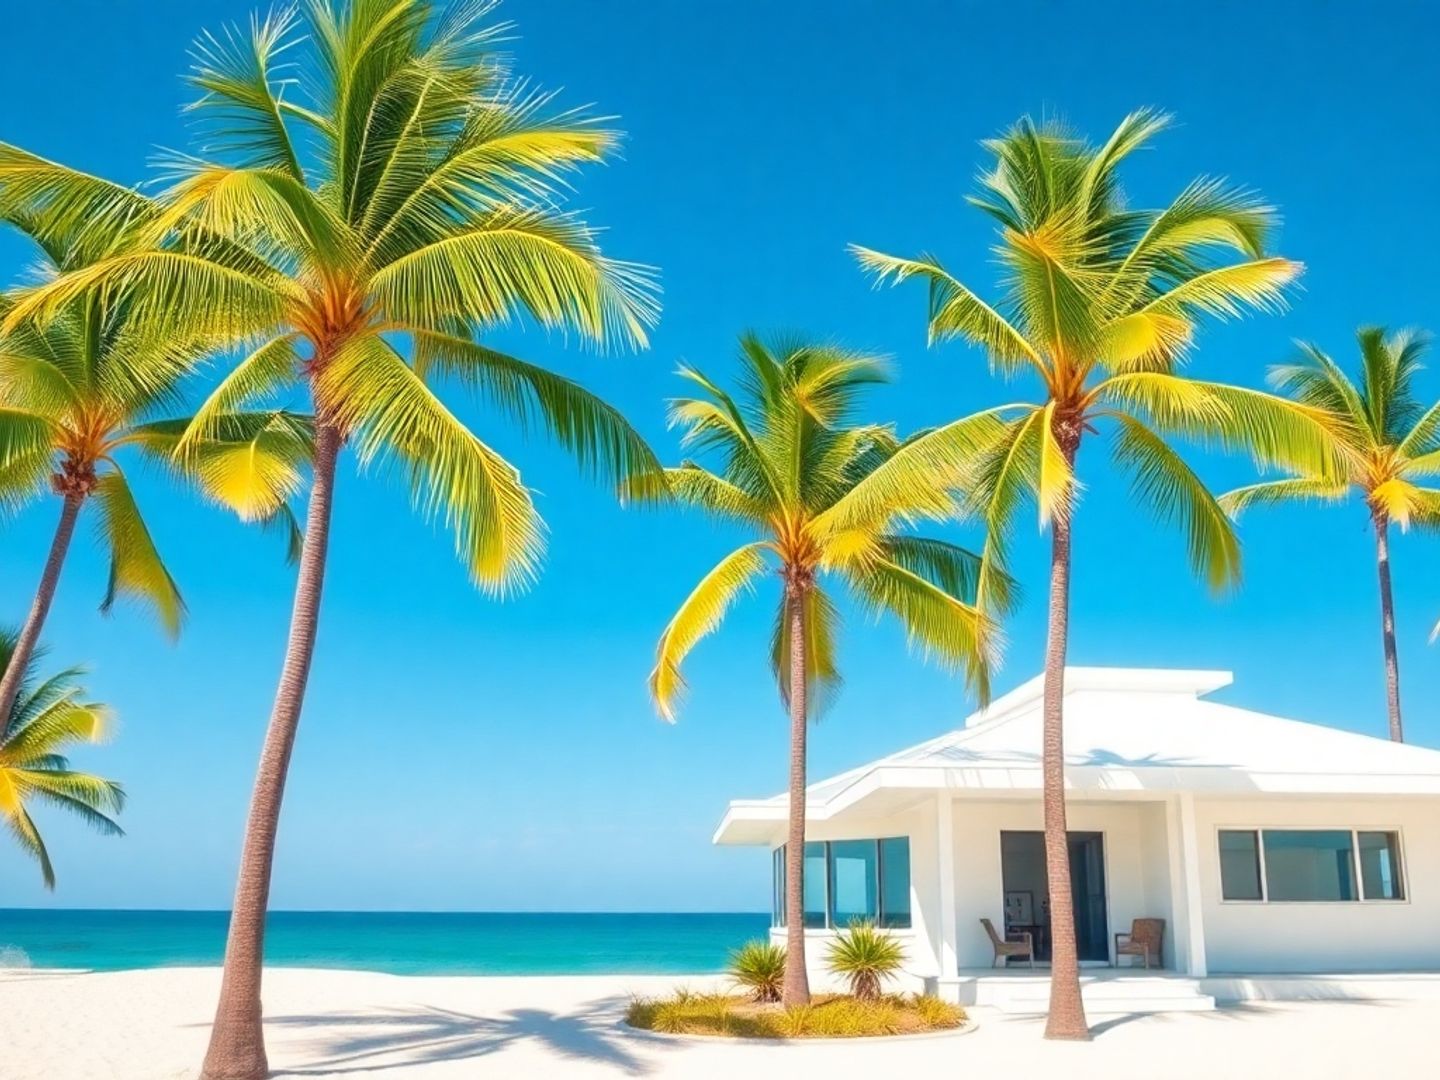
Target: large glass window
{"x":854,"y":881}
{"x":1239,"y":865}
{"x":815,"y":885}
{"x":895,"y":882}
{"x":1380,"y":865}
{"x":846,"y":880}
{"x":1309,"y":865}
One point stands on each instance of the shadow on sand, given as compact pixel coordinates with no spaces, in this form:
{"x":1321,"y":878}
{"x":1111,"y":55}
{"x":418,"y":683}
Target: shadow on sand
{"x":401,"y":1038}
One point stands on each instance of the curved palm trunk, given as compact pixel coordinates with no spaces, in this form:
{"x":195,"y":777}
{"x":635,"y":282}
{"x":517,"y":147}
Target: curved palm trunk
{"x":797,"y":982}
{"x":237,"y":1039}
{"x":1387,"y":625}
{"x":1067,"y":1010}
{"x":40,"y":608}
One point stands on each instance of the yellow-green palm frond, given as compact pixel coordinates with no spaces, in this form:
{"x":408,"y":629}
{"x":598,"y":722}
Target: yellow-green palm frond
{"x":1275,"y":431}
{"x":1097,"y":183}
{"x":693,"y":486}
{"x":47,"y":718}
{"x":916,"y":481}
{"x":1275,"y":492}
{"x":954,"y":309}
{"x":136,"y":569}
{"x":994,"y":491}
{"x":243,"y":79}
{"x":367,"y":389}
{"x":820,"y":627}
{"x":70,"y":213}
{"x":262,"y":372}
{"x":1402,"y":502}
{"x":250,"y":463}
{"x":601,"y":439}
{"x":717,"y":423}
{"x":942,"y":626}
{"x":1229,"y":291}
{"x":521,"y":260}
{"x":1165,"y":485}
{"x":702,"y":611}
{"x":1056,"y":489}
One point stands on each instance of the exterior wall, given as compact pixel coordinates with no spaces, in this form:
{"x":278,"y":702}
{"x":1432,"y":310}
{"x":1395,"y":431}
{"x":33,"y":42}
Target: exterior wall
{"x":1325,"y":937}
{"x":922,"y":939}
{"x":1136,"y":881}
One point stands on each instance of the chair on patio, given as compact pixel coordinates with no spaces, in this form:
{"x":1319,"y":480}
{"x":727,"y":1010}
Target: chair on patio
{"x":1146,"y":939}
{"x":1016,"y":944}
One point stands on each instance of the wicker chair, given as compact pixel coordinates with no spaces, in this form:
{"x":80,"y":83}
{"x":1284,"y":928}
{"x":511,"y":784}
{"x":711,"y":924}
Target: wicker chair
{"x":1145,"y":939}
{"x":1019,"y":944}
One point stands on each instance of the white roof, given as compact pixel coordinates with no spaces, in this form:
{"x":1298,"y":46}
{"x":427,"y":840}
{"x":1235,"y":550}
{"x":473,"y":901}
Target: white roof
{"x":1128,"y":731}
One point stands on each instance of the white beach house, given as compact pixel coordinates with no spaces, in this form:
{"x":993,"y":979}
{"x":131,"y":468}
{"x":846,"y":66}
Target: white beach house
{"x":1285,"y":858}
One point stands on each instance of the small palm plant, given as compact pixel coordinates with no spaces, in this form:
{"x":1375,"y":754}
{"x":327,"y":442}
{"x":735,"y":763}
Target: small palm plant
{"x":48,"y":717}
{"x":1392,"y":442}
{"x":865,"y":957}
{"x":759,"y":966}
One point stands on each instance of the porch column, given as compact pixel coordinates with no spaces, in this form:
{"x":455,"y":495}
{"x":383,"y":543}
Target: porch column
{"x":1183,"y":841}
{"x":945,"y":840}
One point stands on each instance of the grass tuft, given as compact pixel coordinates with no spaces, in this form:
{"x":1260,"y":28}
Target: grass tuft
{"x":827,"y":1017}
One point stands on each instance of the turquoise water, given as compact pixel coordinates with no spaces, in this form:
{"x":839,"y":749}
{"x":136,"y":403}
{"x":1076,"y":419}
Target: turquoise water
{"x":403,"y":943}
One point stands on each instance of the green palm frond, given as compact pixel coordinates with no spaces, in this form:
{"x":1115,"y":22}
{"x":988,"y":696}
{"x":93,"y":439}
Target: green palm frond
{"x":136,"y":569}
{"x":941,"y":626}
{"x":820,"y":627}
{"x":1275,"y":492}
{"x":699,"y":616}
{"x":398,"y":420}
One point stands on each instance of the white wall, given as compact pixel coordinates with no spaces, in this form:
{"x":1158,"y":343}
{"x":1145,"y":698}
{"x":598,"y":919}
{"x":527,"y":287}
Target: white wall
{"x":1325,"y":937}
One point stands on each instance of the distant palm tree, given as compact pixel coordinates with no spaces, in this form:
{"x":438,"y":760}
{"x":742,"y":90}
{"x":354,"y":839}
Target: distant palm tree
{"x":377,"y":191}
{"x":76,"y":392}
{"x":46,"y":718}
{"x":1100,"y":306}
{"x":824,"y":497}
{"x":1390,"y":440}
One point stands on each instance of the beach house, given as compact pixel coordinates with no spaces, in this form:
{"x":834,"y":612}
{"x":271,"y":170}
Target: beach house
{"x":1286,"y":859}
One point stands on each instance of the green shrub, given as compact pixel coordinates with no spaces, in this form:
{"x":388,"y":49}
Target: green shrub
{"x":759,"y":966}
{"x":865,"y":957}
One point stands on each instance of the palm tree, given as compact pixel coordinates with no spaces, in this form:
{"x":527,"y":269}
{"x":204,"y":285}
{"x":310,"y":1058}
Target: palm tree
{"x":47,"y":718}
{"x":824,"y":497}
{"x":75,"y":394}
{"x":374,"y":191}
{"x":1100,"y":306}
{"x":1390,"y":440}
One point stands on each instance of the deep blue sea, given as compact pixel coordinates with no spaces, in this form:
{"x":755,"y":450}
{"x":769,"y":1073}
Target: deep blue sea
{"x":403,"y":943}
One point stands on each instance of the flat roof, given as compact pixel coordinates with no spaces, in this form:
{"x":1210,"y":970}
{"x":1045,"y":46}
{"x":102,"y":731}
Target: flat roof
{"x":1128,"y":731}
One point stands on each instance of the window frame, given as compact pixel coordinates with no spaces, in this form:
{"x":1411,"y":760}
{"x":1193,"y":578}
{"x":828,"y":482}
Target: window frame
{"x":1402,"y":871}
{"x":778,"y":920}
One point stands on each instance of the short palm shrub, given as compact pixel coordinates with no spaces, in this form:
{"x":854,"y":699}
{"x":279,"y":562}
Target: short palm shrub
{"x":865,"y":957}
{"x":759,"y":966}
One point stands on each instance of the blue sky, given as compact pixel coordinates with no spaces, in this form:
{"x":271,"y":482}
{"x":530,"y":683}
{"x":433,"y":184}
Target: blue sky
{"x":458,"y":753}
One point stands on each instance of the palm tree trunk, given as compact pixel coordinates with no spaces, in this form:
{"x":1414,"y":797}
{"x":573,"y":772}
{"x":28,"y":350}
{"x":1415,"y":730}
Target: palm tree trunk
{"x":1387,"y":625}
{"x":1067,"y":1010}
{"x":237,"y":1039}
{"x":40,"y":608}
{"x":797,"y":982}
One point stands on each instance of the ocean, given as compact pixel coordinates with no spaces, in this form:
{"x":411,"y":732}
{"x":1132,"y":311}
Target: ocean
{"x":402,"y":943}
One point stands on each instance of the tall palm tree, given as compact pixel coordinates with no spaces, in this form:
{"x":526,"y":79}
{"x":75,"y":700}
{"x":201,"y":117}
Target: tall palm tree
{"x":77,"y":392}
{"x":374,"y":192}
{"x":1390,"y":441}
{"x":1099,"y":308}
{"x":825,"y":498}
{"x":48,"y":717}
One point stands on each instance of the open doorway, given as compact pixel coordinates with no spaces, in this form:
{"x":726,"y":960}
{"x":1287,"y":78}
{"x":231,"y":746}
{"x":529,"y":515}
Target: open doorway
{"x":1027,"y":892}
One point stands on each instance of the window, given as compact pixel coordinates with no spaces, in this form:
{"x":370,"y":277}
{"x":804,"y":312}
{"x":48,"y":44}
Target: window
{"x":1380,"y":865}
{"x":846,"y":880}
{"x":1239,"y":865}
{"x":1309,"y":865}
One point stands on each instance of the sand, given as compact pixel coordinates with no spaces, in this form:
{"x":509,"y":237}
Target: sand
{"x":152,"y":1025}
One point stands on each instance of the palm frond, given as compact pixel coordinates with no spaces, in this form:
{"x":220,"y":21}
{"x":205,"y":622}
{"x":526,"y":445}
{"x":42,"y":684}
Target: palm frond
{"x":136,"y":569}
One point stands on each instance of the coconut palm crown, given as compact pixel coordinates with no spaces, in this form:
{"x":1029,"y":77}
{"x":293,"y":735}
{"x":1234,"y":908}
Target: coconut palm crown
{"x":826,"y":500}
{"x":373,"y":191}
{"x":87,"y":388}
{"x":48,"y":717}
{"x":1099,"y":306}
{"x":1391,"y":446}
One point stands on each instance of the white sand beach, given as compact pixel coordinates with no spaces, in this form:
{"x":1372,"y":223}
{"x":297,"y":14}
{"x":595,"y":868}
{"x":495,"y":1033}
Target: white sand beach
{"x":151,"y":1025}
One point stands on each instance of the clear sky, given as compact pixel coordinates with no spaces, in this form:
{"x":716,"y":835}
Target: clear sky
{"x":458,"y":753}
